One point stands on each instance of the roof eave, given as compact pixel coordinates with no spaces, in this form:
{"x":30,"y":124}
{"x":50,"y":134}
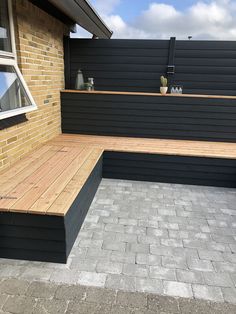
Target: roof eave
{"x":82,"y":13}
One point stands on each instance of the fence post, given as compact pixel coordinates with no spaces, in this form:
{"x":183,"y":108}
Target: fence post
{"x":171,"y":61}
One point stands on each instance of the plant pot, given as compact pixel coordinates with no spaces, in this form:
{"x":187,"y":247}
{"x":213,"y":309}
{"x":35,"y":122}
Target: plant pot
{"x":163,"y":90}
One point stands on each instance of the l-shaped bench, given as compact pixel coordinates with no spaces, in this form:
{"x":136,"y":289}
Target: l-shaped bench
{"x":44,"y":197}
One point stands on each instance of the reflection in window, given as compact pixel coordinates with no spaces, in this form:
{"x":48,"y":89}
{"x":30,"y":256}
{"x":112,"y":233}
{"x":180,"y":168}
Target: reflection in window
{"x":5,"y":42}
{"x":12,"y":93}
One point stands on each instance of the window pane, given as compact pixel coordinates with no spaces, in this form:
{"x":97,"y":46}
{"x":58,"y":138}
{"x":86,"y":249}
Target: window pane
{"x":5,"y":41}
{"x":12,"y":93}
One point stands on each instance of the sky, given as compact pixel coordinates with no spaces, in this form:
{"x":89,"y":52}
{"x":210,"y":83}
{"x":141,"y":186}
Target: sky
{"x":152,"y":19}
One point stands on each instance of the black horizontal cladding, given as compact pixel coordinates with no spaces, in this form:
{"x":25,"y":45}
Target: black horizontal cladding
{"x":78,"y":210}
{"x":150,"y":116}
{"x":32,"y":237}
{"x":170,"y":169}
{"x":121,"y":60}
{"x":203,"y":67}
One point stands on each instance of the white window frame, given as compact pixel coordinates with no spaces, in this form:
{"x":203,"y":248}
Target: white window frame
{"x":10,"y":58}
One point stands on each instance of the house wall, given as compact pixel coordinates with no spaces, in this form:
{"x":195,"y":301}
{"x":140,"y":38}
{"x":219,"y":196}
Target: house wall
{"x":39,"y":44}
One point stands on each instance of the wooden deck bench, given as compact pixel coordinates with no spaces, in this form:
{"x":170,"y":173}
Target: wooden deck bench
{"x":45,"y":197}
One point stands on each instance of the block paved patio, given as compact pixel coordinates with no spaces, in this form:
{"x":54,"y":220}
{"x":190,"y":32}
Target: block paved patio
{"x":163,"y":239}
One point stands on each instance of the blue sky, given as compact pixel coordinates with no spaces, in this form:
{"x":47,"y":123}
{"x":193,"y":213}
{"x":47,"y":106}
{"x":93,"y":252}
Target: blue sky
{"x":129,"y":9}
{"x":161,"y":19}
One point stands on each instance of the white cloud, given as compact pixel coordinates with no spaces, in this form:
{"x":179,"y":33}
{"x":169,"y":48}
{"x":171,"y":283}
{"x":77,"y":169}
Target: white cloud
{"x":215,"y":19}
{"x":105,"y":7}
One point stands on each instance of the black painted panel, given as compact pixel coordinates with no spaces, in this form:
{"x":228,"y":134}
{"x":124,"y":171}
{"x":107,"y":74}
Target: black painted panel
{"x":150,"y":116}
{"x":203,"y":67}
{"x":78,"y":211}
{"x":170,"y":169}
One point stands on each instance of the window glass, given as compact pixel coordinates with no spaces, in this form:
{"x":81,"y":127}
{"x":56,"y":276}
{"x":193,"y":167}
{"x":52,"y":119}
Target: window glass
{"x":5,"y":41}
{"x":12,"y":92}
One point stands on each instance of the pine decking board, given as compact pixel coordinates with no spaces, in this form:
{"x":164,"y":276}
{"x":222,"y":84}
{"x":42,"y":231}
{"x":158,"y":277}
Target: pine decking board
{"x":152,"y":146}
{"x":48,"y":180}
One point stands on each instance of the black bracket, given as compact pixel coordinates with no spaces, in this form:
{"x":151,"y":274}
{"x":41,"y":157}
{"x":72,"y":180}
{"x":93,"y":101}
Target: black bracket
{"x":170,"y":69}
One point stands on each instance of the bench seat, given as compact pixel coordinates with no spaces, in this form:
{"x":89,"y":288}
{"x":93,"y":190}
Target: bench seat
{"x":44,"y":197}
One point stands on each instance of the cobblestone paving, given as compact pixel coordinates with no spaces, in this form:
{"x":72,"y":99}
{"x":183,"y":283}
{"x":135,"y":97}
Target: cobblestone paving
{"x":24,"y":297}
{"x":166,"y":239}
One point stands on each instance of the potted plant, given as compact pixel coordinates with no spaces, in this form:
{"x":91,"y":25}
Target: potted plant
{"x":164,"y":85}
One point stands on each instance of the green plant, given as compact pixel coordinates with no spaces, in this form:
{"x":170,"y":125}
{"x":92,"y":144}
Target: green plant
{"x":164,"y":81}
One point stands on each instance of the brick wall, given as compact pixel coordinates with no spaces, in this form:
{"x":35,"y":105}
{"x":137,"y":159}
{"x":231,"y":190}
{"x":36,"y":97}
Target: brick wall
{"x":39,"y":43}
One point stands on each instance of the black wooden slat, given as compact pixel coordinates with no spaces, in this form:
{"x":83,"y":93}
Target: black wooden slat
{"x":206,"y":67}
{"x":118,"y":165}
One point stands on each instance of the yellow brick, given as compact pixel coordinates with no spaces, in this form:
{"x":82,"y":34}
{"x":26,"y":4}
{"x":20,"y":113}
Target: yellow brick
{"x":40,"y":58}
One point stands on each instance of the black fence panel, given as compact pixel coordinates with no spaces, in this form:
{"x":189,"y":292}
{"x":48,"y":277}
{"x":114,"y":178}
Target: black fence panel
{"x":202,"y":67}
{"x":170,"y":117}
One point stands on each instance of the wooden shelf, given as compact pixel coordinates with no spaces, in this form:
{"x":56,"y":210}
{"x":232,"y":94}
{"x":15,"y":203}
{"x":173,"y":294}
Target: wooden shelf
{"x":146,"y":94}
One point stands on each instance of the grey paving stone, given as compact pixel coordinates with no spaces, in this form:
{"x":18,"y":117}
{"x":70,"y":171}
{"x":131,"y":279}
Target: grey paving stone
{"x":144,"y":239}
{"x":131,"y":299}
{"x":41,"y":290}
{"x":125,"y":237}
{"x":210,"y":255}
{"x":225,"y":267}
{"x":162,"y":273}
{"x":128,"y":222}
{"x":218,"y":246}
{"x":101,"y":296}
{"x":175,"y":262}
{"x":135,"y":270}
{"x":7,"y":271}
{"x":70,"y":292}
{"x":207,"y":293}
{"x":120,"y":282}
{"x":149,"y":285}
{"x":135,"y":230}
{"x":138,"y":248}
{"x":120,"y":257}
{"x":162,"y":304}
{"x":33,"y":273}
{"x":148,"y":259}
{"x":200,"y":265}
{"x":116,"y":309}
{"x":98,"y":253}
{"x":148,"y":223}
{"x":92,"y":243}
{"x":115,"y":228}
{"x":114,"y":246}
{"x":109,"y":267}
{"x":223,"y":239}
{"x":189,"y":276}
{"x":161,"y":250}
{"x":177,"y":289}
{"x":229,"y":257}
{"x":92,"y":279}
{"x":154,"y":232}
{"x":83,"y":265}
{"x":169,"y":225}
{"x":172,"y":242}
{"x":66,"y":276}
{"x":197,"y":244}
{"x":176,"y":234}
{"x":13,"y":286}
{"x":83,"y":308}
{"x":229,"y":295}
{"x":50,"y":306}
{"x":218,"y":279}
{"x":19,"y":305}
{"x":3,"y":298}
